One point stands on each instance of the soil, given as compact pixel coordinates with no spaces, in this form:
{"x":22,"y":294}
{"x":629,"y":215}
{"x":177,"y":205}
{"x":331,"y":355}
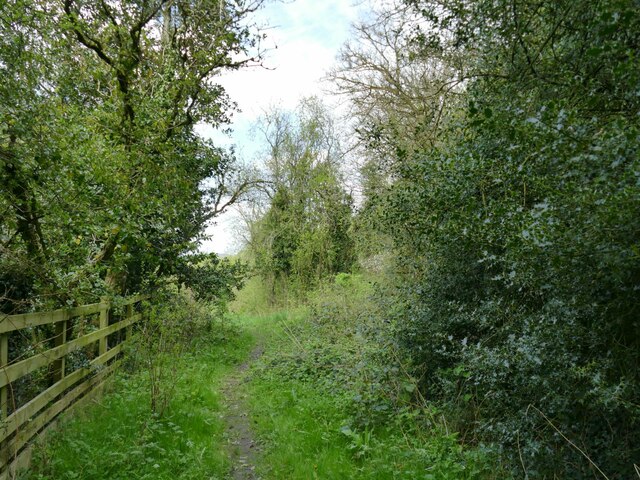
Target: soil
{"x":244,"y":449}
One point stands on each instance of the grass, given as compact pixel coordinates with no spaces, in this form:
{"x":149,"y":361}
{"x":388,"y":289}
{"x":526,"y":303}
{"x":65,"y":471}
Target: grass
{"x":300,"y":428}
{"x":119,"y":439}
{"x":302,"y":399}
{"x":305,"y":423}
{"x":306,"y":437}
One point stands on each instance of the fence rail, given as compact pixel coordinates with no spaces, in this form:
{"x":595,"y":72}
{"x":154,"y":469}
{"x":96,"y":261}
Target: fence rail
{"x":20,"y":424}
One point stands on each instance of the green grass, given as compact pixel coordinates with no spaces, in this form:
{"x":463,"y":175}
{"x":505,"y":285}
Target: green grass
{"x":119,"y":439}
{"x":301,"y":432}
{"x":299,"y":400}
{"x":305,"y":425}
{"x":306,"y":437}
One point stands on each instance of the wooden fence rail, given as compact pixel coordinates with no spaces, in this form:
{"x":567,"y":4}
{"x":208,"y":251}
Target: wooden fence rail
{"x":19,"y":424}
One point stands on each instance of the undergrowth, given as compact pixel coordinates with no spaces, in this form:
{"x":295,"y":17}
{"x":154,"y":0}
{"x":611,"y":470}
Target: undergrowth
{"x":331,"y":399}
{"x":119,"y":437}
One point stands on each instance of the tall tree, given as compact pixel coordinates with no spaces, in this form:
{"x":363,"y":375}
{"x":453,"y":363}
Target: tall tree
{"x":515,"y":233}
{"x":303,"y":234}
{"x":108,"y":185}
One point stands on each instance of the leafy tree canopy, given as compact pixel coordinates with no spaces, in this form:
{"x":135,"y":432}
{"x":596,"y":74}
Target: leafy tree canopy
{"x":106,"y":187}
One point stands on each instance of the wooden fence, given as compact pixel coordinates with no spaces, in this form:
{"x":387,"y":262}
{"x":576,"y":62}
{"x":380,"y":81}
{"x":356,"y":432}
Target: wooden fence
{"x":67,"y":383}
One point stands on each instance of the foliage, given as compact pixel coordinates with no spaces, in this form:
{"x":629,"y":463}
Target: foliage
{"x":170,"y":329}
{"x":303,"y":234}
{"x":330,"y":389}
{"x":500,"y":174}
{"x":254,"y":299}
{"x":120,"y":438}
{"x":516,"y":232}
{"x":106,"y":184}
{"x":212,"y":279}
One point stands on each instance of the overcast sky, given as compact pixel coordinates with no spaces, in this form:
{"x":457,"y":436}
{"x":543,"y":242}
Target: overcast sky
{"x":304,"y":38}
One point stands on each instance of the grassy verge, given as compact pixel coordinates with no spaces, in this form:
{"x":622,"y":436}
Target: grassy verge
{"x":326,"y":401}
{"x":306,"y":401}
{"x":119,"y":438}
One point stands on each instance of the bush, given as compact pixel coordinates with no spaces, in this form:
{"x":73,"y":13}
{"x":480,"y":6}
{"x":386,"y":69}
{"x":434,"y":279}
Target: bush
{"x":346,"y":351}
{"x":517,"y":242}
{"x":515,"y":231}
{"x":177,"y":326}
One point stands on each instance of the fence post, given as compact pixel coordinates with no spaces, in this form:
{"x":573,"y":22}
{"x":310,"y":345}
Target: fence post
{"x":4,"y":359}
{"x":130,"y":312}
{"x":60,"y":339}
{"x":104,"y":323}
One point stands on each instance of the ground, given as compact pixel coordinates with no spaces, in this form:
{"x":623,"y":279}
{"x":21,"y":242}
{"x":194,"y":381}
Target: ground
{"x":244,"y":448}
{"x":254,"y":401}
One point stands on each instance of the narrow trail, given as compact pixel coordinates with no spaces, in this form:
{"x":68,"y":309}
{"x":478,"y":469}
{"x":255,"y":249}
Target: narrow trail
{"x":244,"y":449}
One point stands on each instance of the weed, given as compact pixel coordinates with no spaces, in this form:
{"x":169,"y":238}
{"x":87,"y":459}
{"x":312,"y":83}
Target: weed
{"x":120,"y":438}
{"x":327,"y":406}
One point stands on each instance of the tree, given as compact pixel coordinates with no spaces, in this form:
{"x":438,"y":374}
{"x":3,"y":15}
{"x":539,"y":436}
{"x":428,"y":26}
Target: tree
{"x":402,"y":92}
{"x":303,"y":234}
{"x":108,"y":185}
{"x":516,"y":231}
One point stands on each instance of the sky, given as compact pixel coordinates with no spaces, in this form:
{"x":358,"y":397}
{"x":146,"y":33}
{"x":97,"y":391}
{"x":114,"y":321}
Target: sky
{"x":304,"y":37}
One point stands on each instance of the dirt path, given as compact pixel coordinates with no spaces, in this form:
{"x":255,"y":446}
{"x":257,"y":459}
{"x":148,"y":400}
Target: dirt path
{"x":242,"y":444}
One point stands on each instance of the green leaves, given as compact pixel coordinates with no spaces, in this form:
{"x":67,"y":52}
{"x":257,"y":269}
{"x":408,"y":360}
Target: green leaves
{"x":514,"y":230}
{"x":97,"y":118}
{"x":304,"y":234}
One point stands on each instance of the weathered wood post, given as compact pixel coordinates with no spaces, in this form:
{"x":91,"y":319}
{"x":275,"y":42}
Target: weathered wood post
{"x":104,"y":323}
{"x":130,"y":313}
{"x":4,"y":360}
{"x":60,"y":339}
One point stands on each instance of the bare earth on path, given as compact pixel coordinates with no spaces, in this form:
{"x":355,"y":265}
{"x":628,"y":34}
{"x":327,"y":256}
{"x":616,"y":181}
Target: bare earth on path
{"x":244,"y":449}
